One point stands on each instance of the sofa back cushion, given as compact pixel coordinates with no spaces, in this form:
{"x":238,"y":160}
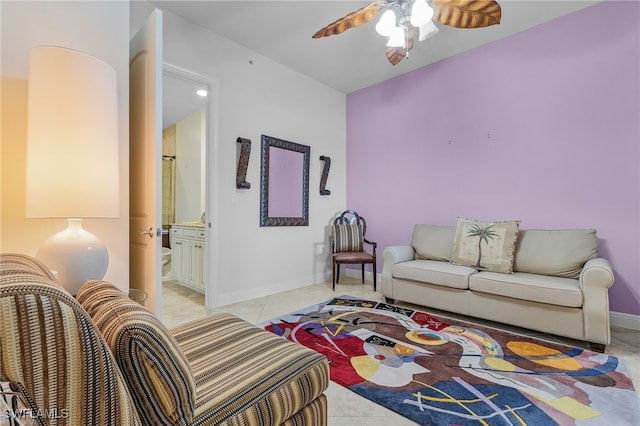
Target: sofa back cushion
{"x":433,"y":242}
{"x":558,"y":252}
{"x":53,"y":349}
{"x":154,"y":366}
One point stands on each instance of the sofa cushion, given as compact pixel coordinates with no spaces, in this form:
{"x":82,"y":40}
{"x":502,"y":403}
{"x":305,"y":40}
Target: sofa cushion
{"x":94,"y":293}
{"x":487,"y":246}
{"x":15,"y":263}
{"x":153,"y":364}
{"x":434,"y":272}
{"x":433,"y":242}
{"x":532,"y":287}
{"x":560,"y":253}
{"x":246,"y":375}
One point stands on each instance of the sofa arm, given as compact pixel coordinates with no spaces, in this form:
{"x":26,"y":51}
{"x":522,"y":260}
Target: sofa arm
{"x":390,"y":256}
{"x":596,"y":272}
{"x":595,"y":280}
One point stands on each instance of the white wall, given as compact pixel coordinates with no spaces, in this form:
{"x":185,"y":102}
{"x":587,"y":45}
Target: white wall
{"x":253,"y":96}
{"x":100,"y":29}
{"x":190,"y":132}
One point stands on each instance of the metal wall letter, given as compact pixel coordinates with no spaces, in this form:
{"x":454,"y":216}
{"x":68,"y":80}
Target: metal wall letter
{"x":325,"y":175}
{"x":243,"y":163}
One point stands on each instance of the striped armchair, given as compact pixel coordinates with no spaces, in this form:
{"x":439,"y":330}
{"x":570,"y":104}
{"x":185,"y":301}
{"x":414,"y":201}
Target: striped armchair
{"x":54,"y":356}
{"x":218,"y":370}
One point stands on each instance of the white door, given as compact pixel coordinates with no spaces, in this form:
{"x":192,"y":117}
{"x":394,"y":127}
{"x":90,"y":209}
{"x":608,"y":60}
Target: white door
{"x":145,"y":156}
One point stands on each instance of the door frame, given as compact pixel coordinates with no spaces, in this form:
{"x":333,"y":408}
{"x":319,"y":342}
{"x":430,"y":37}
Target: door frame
{"x":211,"y":246}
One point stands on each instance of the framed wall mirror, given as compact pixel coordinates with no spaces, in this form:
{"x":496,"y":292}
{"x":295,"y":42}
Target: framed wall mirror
{"x":284,"y":183}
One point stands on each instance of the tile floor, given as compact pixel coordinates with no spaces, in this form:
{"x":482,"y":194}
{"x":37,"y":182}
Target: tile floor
{"x":180,"y":305}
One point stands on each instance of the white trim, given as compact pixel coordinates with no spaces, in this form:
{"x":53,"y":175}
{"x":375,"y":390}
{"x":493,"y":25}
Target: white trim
{"x":357,"y":273}
{"x":211,"y":153}
{"x":623,"y":320}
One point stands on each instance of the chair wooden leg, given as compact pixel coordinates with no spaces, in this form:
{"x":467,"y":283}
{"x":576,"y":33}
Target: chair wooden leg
{"x":374,"y":276}
{"x":363,"y":273}
{"x":338,"y":273}
{"x":333,"y":275}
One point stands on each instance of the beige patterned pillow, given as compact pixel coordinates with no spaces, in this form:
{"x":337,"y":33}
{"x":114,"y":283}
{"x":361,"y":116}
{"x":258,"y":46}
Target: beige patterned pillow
{"x":348,"y":238}
{"x":487,"y":246}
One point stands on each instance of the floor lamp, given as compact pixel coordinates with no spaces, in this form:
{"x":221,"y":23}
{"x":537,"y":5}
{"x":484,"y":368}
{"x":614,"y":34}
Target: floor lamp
{"x":72,"y":157}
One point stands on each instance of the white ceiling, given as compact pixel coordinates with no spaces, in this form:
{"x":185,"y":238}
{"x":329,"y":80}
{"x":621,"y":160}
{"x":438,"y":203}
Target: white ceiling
{"x":282,"y":30}
{"x":179,"y":99}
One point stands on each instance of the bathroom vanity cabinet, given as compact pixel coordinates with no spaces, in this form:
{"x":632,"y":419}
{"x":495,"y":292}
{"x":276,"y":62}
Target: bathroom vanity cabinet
{"x":187,"y":255}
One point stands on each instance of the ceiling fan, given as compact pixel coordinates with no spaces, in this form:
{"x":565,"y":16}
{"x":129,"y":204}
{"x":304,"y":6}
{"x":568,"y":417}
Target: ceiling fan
{"x":404,"y":20}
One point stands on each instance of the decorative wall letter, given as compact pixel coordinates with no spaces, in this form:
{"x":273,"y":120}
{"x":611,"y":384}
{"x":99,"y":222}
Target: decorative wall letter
{"x":325,"y":175}
{"x":243,"y":163}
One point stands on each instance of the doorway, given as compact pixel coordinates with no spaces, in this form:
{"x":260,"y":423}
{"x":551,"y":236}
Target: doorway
{"x":185,"y":130}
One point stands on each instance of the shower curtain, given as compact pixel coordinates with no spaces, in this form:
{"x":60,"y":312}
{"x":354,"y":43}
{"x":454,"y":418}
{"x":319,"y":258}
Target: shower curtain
{"x":168,"y":189}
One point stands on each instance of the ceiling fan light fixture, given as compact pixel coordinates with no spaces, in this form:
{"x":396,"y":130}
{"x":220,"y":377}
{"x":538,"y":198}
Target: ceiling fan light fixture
{"x":421,"y":13}
{"x":397,"y":38}
{"x":387,"y":23}
{"x":428,"y":30}
{"x":404,"y":22}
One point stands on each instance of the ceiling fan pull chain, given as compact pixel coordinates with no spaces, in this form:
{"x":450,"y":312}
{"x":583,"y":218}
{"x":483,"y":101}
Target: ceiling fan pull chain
{"x":406,"y":42}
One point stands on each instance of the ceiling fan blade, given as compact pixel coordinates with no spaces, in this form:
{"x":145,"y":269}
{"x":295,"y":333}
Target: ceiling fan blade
{"x":466,"y":13}
{"x":396,"y":54}
{"x":352,"y":20}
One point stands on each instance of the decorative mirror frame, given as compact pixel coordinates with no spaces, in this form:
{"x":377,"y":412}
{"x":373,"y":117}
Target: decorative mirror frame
{"x":265,"y":219}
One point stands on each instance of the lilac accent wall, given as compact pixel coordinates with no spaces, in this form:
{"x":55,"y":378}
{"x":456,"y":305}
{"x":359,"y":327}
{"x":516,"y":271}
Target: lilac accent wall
{"x":542,"y":126}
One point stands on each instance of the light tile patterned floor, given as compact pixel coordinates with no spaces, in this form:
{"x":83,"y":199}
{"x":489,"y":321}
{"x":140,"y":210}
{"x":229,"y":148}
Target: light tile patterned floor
{"x":179,"y":305}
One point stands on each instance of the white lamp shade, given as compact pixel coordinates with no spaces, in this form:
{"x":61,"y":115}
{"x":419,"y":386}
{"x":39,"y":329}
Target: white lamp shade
{"x":397,"y":38}
{"x":387,"y":23}
{"x":72,"y":148}
{"x":428,"y":30}
{"x":421,"y":13}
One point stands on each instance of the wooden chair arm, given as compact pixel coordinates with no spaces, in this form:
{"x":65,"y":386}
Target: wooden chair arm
{"x":372,"y":243}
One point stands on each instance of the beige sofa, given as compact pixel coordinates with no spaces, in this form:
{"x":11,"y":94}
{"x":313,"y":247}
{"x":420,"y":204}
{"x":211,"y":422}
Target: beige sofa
{"x":559,"y":285}
{"x":103,"y":359}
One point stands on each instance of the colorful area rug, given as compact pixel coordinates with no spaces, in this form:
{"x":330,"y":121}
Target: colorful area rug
{"x":445,"y":372}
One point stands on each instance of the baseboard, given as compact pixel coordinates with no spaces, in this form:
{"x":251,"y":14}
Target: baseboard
{"x":623,"y":320}
{"x":357,"y":273}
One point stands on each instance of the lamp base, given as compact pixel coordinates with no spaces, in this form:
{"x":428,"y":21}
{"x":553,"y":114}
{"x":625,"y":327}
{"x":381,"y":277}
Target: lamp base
{"x":76,"y":255}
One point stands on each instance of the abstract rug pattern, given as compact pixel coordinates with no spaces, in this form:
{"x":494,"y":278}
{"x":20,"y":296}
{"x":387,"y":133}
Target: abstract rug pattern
{"x":447,"y":372}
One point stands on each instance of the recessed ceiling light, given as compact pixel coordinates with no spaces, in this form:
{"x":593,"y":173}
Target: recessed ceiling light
{"x":202,"y":92}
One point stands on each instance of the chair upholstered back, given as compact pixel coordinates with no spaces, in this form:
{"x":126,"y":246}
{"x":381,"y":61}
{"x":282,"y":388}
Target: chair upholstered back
{"x":348,"y":232}
{"x":47,"y":338}
{"x":351,"y":217}
{"x":348,"y":238}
